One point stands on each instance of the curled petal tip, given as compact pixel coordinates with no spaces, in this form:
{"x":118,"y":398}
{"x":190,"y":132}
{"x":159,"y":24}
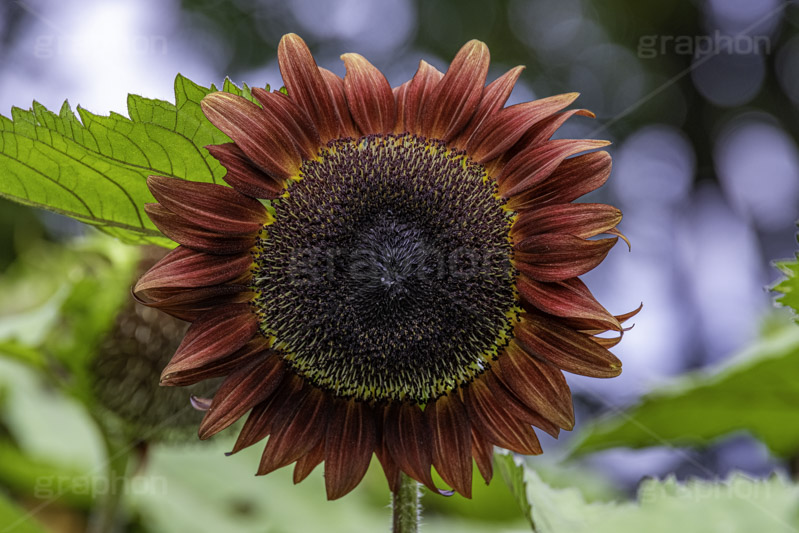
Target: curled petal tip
{"x":201,"y":404}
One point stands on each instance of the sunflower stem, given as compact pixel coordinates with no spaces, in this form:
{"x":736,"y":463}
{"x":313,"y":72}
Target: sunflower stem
{"x":406,"y":507}
{"x":106,"y":518}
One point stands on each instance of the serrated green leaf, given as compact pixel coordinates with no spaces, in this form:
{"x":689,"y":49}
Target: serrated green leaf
{"x":757,"y":392}
{"x":789,"y":287}
{"x":93,"y":168}
{"x":513,"y":473}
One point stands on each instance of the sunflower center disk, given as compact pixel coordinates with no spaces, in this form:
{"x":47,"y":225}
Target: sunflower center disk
{"x":386,"y":274}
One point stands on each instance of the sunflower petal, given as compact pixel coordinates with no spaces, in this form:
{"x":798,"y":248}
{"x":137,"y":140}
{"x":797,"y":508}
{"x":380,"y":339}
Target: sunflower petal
{"x":544,"y":130}
{"x":282,"y":109}
{"x":219,"y":366}
{"x":300,"y":435}
{"x":496,"y":422}
{"x":529,"y":167}
{"x":575,"y":177}
{"x":567,"y":299}
{"x":183,"y":267}
{"x":501,"y":130}
{"x":555,"y":257}
{"x":581,"y":220}
{"x":495,"y":94}
{"x":349,"y":443}
{"x":210,"y":206}
{"x":188,"y":234}
{"x":266,"y":142}
{"x":369,"y":95}
{"x":566,"y":348}
{"x":539,"y":385}
{"x":409,"y":441}
{"x":417,"y":94}
{"x":483,"y":452}
{"x":456,"y":97}
{"x":211,"y":337}
{"x":306,"y":86}
{"x":452,"y":442}
{"x":309,"y":461}
{"x":390,"y":467}
{"x":240,"y":392}
{"x":266,"y":416}
{"x":189,"y":304}
{"x":242,"y":174}
{"x":335,"y":85}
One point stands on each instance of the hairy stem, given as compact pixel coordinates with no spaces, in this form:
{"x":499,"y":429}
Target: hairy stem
{"x":406,"y":506}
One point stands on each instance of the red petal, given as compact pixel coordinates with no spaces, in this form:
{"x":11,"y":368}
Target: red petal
{"x":566,"y":348}
{"x":183,"y":267}
{"x":300,"y":435}
{"x":281,"y":109}
{"x":555,"y":257}
{"x":390,"y":467}
{"x":495,"y":94}
{"x":350,"y":441}
{"x":306,"y":86}
{"x":265,"y":141}
{"x":309,"y":461}
{"x":417,"y":94}
{"x":580,"y":220}
{"x":242,"y":174}
{"x":483,"y":452}
{"x":575,"y":177}
{"x":189,"y":304}
{"x":399,"y":98}
{"x":545,"y":129}
{"x":501,"y":130}
{"x":335,"y":85}
{"x":452,"y":442}
{"x":240,"y":392}
{"x":409,"y":441}
{"x":221,"y":366}
{"x":456,"y":97}
{"x":530,"y":167}
{"x":539,"y":385}
{"x":189,"y":234}
{"x":269,"y":414}
{"x":568,"y":299}
{"x":369,"y":96}
{"x":209,"y":206}
{"x":496,"y":422}
{"x":215,"y":335}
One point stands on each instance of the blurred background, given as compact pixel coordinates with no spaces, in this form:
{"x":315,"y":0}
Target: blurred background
{"x":701,"y":101}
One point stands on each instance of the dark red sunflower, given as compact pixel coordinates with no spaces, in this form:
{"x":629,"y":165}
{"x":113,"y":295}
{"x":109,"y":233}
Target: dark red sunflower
{"x":412,"y":288}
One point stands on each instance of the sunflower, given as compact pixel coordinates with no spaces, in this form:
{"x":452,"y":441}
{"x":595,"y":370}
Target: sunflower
{"x":125,"y":368}
{"x":392,"y":271}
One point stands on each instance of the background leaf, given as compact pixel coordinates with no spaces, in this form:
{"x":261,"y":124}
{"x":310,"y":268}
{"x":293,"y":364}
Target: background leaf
{"x":513,"y":473}
{"x":758,"y":392}
{"x":789,"y":287}
{"x":93,"y":168}
{"x":738,"y":505}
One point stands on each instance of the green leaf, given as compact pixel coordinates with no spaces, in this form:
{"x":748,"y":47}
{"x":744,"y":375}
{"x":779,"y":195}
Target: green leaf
{"x":41,"y":479}
{"x":93,"y":168}
{"x":757,"y":392}
{"x":738,"y":505}
{"x":513,"y":472}
{"x":789,"y":287}
{"x":17,"y":519}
